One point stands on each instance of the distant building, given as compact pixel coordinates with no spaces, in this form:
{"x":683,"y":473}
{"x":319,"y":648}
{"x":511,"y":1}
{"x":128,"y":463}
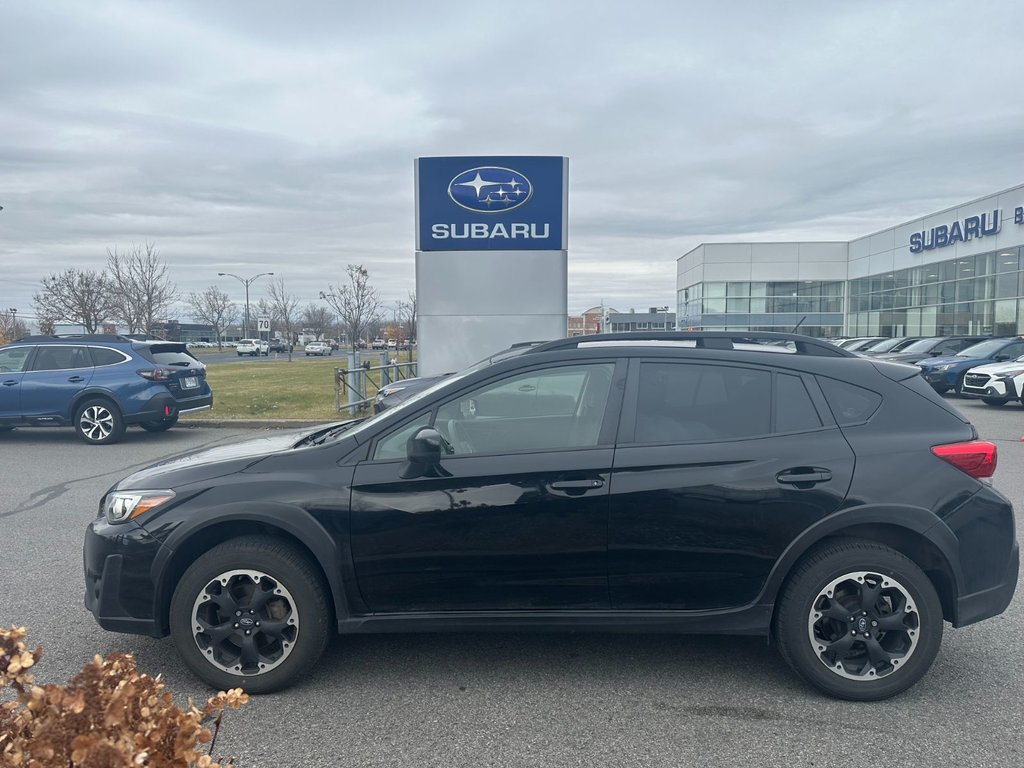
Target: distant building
{"x":588,"y":322}
{"x":655,"y":319}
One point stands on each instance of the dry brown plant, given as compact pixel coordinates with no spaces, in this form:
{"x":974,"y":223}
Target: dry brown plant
{"x":106,"y":716}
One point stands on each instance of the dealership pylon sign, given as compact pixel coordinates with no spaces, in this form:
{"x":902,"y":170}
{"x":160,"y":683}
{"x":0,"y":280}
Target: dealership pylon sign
{"x":491,"y":255}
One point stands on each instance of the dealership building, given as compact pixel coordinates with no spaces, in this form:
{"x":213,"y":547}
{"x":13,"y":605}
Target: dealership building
{"x":957,"y":271}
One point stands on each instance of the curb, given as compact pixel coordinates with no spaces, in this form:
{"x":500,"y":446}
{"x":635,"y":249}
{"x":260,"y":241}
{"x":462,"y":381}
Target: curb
{"x":256,"y":423}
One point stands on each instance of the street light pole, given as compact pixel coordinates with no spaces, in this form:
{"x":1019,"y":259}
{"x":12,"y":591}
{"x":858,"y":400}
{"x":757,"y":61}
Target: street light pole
{"x":246,"y":282}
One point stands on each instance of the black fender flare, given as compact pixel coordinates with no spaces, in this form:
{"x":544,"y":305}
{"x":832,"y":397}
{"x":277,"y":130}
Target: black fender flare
{"x":915,"y":519}
{"x":294,"y":521}
{"x":85,"y":394}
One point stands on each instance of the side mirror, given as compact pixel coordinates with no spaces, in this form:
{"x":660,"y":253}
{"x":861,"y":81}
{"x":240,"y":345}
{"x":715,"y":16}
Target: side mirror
{"x":423,"y":454}
{"x":934,"y":353}
{"x":1001,"y":358}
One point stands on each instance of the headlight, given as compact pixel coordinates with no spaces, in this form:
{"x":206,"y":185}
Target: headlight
{"x":121,"y":506}
{"x":1011,"y":374}
{"x":945,"y":367}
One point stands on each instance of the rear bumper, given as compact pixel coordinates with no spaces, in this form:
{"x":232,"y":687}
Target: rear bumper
{"x":165,"y":405}
{"x":992,"y":601}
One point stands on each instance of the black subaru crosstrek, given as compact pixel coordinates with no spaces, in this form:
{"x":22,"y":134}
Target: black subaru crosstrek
{"x":757,"y":484}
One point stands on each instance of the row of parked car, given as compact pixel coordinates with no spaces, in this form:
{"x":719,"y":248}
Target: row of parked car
{"x":990,"y":368}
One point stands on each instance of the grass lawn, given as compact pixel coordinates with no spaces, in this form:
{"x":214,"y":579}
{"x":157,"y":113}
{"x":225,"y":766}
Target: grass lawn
{"x":263,"y":390}
{"x":275,"y":390}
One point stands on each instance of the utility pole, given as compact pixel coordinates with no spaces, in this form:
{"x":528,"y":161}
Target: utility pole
{"x":246,"y":282}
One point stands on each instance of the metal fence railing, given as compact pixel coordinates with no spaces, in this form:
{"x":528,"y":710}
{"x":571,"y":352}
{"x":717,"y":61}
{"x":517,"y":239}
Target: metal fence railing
{"x":356,"y":386}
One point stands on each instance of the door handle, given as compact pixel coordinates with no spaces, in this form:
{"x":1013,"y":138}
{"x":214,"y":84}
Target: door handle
{"x":799,"y":477}
{"x":577,"y":485}
{"x":10,"y":382}
{"x":76,"y":379}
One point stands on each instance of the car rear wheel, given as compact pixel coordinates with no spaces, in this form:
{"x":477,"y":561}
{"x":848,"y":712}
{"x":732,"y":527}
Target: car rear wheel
{"x":161,"y":425}
{"x":251,"y":613}
{"x":99,"y":422}
{"x":859,"y":621}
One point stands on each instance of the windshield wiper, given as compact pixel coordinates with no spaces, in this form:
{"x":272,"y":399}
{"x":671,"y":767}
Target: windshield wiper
{"x":319,"y":438}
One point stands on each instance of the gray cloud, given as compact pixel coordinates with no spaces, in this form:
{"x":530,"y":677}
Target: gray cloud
{"x":281,"y":136}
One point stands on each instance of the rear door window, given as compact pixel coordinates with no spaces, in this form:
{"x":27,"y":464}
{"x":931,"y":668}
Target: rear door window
{"x":794,"y":409}
{"x":682,"y":402}
{"x":61,"y":358}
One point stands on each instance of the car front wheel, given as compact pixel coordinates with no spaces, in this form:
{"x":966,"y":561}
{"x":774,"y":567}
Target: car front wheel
{"x":251,"y":613}
{"x":994,"y":401}
{"x":859,"y":621}
{"x":98,"y":422}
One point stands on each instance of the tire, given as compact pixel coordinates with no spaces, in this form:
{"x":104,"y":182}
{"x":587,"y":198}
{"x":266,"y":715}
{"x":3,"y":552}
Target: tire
{"x":996,"y":401}
{"x":940,"y":390}
{"x":239,"y":354}
{"x":99,"y":422}
{"x":959,"y":386}
{"x":6,"y":429}
{"x":804,"y":628}
{"x":295,"y":601}
{"x":161,"y":425}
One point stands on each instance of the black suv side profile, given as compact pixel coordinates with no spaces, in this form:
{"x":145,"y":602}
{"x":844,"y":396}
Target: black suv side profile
{"x":756,"y":484}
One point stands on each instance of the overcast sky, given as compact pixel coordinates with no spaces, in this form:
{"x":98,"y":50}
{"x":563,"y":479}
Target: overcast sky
{"x":268,"y":136}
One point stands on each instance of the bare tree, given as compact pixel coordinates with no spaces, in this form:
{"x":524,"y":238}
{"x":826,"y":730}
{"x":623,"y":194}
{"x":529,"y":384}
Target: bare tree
{"x":81,"y":296}
{"x":11,"y":327}
{"x":285,"y":307}
{"x":214,"y":308}
{"x":406,"y":311}
{"x":317,"y":319}
{"x":355,"y":302}
{"x":143,"y":289}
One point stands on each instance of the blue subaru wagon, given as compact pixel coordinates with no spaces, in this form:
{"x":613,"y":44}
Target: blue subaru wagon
{"x":99,"y":384}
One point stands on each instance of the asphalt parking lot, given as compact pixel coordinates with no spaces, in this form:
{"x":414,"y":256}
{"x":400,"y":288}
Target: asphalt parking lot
{"x":516,"y":699}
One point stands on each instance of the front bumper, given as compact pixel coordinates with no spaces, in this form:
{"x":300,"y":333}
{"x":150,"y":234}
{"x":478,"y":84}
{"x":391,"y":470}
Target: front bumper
{"x":939,"y":379}
{"x":998,"y":387}
{"x":118,"y":584}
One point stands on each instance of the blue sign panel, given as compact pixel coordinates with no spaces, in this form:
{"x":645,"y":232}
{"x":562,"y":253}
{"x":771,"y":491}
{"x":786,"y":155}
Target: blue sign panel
{"x":490,"y":203}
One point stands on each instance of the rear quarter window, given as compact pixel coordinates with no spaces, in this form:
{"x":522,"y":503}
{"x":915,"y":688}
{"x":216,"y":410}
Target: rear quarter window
{"x":850,"y":404}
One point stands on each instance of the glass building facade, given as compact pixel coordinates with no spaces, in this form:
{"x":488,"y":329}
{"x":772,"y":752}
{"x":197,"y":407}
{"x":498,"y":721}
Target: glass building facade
{"x":817,"y":306}
{"x":979,"y":294}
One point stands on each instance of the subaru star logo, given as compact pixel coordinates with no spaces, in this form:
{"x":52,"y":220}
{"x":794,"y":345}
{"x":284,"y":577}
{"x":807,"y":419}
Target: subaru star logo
{"x":490,"y":189}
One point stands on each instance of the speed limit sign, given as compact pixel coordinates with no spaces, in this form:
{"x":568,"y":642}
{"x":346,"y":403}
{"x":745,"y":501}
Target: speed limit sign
{"x":264,"y":324}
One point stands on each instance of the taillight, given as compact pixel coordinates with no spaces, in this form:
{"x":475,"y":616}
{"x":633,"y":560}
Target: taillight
{"x":977,"y":458}
{"x":156,"y":374}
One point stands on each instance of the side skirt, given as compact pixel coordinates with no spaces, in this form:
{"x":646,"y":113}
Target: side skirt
{"x":752,"y":620}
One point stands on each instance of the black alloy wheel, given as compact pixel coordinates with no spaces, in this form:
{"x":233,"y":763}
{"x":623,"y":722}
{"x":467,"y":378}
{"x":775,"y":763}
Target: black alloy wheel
{"x":160,"y":425}
{"x":859,"y":621}
{"x":251,"y":613}
{"x":99,"y":422}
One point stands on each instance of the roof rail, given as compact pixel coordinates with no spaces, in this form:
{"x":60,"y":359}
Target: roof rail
{"x":78,"y":337}
{"x":804,"y":345}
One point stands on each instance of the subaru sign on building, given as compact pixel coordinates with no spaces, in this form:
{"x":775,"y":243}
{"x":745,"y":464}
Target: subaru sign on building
{"x":491,"y":203}
{"x":491,"y":255}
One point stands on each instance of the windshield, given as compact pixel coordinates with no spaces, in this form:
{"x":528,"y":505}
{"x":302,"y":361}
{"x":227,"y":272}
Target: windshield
{"x":984,"y":348}
{"x":884,"y":346}
{"x":413,"y":402}
{"x":924,"y":345}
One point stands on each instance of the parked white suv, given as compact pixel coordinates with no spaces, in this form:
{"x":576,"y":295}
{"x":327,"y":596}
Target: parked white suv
{"x":252,"y":347}
{"x":996,"y":383}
